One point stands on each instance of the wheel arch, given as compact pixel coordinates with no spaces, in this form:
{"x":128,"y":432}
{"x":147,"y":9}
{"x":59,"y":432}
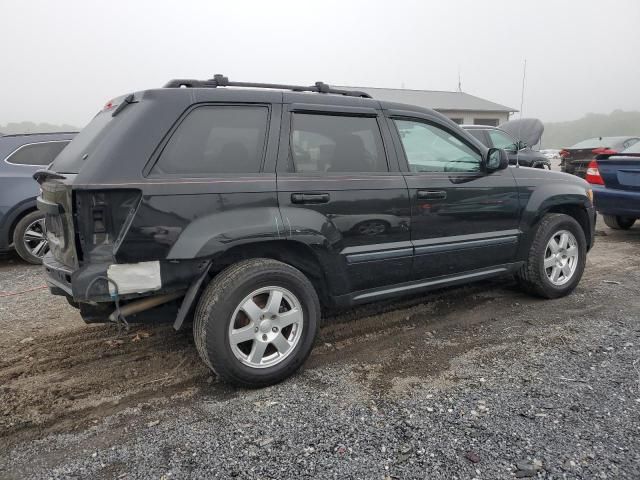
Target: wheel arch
{"x":17,"y":214}
{"x":297,"y":254}
{"x":572,"y":203}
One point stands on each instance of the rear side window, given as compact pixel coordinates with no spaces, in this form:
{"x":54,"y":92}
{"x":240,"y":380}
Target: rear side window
{"x":41,"y":153}
{"x":216,"y":139}
{"x":334,"y":143}
{"x":478,"y":134}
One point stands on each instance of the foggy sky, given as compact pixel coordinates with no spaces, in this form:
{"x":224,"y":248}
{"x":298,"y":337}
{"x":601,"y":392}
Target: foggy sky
{"x":63,"y":60}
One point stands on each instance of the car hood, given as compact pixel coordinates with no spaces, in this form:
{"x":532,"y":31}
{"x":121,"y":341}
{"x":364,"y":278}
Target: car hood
{"x":547,"y":176}
{"x":529,"y":130}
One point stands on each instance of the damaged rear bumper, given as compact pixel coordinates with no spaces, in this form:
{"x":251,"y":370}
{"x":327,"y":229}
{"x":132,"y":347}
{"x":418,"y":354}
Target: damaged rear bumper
{"x":102,"y":282}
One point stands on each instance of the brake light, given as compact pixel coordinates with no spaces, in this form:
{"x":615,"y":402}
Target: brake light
{"x":603,"y":151}
{"x":564,"y":153}
{"x":593,"y":174}
{"x":108,"y":106}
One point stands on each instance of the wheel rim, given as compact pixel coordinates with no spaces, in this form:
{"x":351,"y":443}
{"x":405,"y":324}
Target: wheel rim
{"x":35,"y":239}
{"x":266,"y":327}
{"x":561,"y":257}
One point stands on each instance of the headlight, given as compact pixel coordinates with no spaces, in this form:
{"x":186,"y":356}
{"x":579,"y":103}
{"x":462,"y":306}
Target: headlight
{"x":590,"y":194}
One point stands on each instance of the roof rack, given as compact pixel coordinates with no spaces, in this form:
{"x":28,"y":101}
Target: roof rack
{"x":219,"y":80}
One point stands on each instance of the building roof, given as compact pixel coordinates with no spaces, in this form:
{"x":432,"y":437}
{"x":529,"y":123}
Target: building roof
{"x":434,"y":99}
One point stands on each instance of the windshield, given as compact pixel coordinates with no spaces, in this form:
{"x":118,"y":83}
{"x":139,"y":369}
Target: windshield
{"x":78,"y":151}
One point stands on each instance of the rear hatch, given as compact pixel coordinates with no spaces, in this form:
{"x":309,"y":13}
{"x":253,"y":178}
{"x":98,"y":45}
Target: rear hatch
{"x":621,"y":172}
{"x":57,"y":197}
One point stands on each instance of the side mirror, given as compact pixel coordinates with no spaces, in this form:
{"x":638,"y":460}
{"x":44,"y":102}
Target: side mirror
{"x":497,"y":159}
{"x":521,"y":145}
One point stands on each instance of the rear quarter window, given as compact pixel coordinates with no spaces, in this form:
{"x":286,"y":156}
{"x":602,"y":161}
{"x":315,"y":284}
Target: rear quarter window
{"x":216,"y":139}
{"x":40,"y":153}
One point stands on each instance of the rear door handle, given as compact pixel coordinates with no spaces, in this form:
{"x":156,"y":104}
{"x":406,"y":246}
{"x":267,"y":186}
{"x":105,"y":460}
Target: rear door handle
{"x":432,"y":194}
{"x":309,"y":197}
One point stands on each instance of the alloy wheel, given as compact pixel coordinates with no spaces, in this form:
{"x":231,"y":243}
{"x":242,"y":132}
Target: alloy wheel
{"x":266,"y":327}
{"x":561,"y":257}
{"x":35,"y":239}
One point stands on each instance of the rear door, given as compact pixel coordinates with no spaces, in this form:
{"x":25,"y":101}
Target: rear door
{"x":462,"y":218}
{"x":340,"y":191}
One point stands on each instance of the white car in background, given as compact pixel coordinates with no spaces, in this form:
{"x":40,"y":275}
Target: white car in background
{"x":551,"y":153}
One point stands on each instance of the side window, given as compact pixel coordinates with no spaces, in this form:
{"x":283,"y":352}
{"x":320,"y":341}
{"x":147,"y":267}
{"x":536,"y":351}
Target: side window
{"x":478,"y":134}
{"x":502,"y":140}
{"x":491,"y":122}
{"x":41,"y":153}
{"x":431,"y":149}
{"x":216,"y":139}
{"x":334,"y":143}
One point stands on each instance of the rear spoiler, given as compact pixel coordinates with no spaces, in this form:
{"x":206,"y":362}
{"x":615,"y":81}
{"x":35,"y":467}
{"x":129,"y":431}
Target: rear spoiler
{"x":43,"y":174}
{"x":604,"y":156}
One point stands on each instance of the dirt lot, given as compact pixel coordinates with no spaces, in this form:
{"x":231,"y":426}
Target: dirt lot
{"x":474,"y":382}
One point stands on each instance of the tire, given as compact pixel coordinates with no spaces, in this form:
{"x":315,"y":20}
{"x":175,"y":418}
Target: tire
{"x":25,"y":241}
{"x":534,"y":277}
{"x":219,"y":316}
{"x":618,"y":223}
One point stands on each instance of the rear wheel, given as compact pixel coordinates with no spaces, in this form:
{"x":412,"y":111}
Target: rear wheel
{"x":256,"y":322}
{"x":29,"y":238}
{"x":556,"y":258}
{"x":619,"y":223}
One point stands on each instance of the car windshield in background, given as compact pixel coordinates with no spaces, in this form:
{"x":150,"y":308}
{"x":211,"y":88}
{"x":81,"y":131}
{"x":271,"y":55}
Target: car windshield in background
{"x":596,"y":142}
{"x":635,"y":148}
{"x":71,"y":159}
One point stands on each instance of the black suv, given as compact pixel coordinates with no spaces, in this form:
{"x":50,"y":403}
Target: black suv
{"x":519,"y":152}
{"x":250,"y":209}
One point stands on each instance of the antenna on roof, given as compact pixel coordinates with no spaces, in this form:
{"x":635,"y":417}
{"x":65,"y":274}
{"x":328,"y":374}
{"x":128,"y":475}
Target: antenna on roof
{"x":524,"y":75}
{"x":459,"y":81}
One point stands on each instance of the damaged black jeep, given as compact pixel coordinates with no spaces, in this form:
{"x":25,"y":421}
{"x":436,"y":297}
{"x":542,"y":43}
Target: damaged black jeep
{"x":245,"y":208}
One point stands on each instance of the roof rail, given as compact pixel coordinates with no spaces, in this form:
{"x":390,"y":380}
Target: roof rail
{"x":219,"y":80}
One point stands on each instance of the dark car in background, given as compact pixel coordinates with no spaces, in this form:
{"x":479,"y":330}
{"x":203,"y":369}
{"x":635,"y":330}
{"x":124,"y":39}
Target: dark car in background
{"x":576,"y":159}
{"x":518,"y":150}
{"x":615,"y":178}
{"x":21,"y":224}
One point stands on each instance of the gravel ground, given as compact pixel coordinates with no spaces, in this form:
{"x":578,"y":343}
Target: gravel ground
{"x":474,"y":382}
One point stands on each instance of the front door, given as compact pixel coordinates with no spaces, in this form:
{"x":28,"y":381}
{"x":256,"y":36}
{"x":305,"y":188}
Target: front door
{"x":462,"y":218}
{"x":340,"y":191}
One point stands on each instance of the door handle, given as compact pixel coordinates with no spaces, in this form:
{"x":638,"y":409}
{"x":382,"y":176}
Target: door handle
{"x":432,"y":194}
{"x":309,"y":198}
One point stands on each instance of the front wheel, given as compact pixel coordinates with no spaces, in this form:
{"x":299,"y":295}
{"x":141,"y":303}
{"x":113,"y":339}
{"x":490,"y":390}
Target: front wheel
{"x":618,"y":223}
{"x":256,"y":322}
{"x":556,"y":258}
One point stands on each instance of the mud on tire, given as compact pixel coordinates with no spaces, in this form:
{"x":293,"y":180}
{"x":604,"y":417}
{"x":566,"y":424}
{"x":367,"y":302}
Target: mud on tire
{"x":533,"y":276}
{"x":219,"y":310}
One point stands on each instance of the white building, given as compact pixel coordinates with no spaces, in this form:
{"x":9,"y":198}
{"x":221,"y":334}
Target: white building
{"x":460,"y":107}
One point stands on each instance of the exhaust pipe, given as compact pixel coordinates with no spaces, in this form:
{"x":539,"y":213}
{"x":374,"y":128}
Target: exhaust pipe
{"x":142,"y":305}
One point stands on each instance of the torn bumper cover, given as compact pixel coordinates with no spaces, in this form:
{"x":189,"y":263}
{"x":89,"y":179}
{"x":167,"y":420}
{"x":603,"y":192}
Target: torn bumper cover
{"x":135,"y":280}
